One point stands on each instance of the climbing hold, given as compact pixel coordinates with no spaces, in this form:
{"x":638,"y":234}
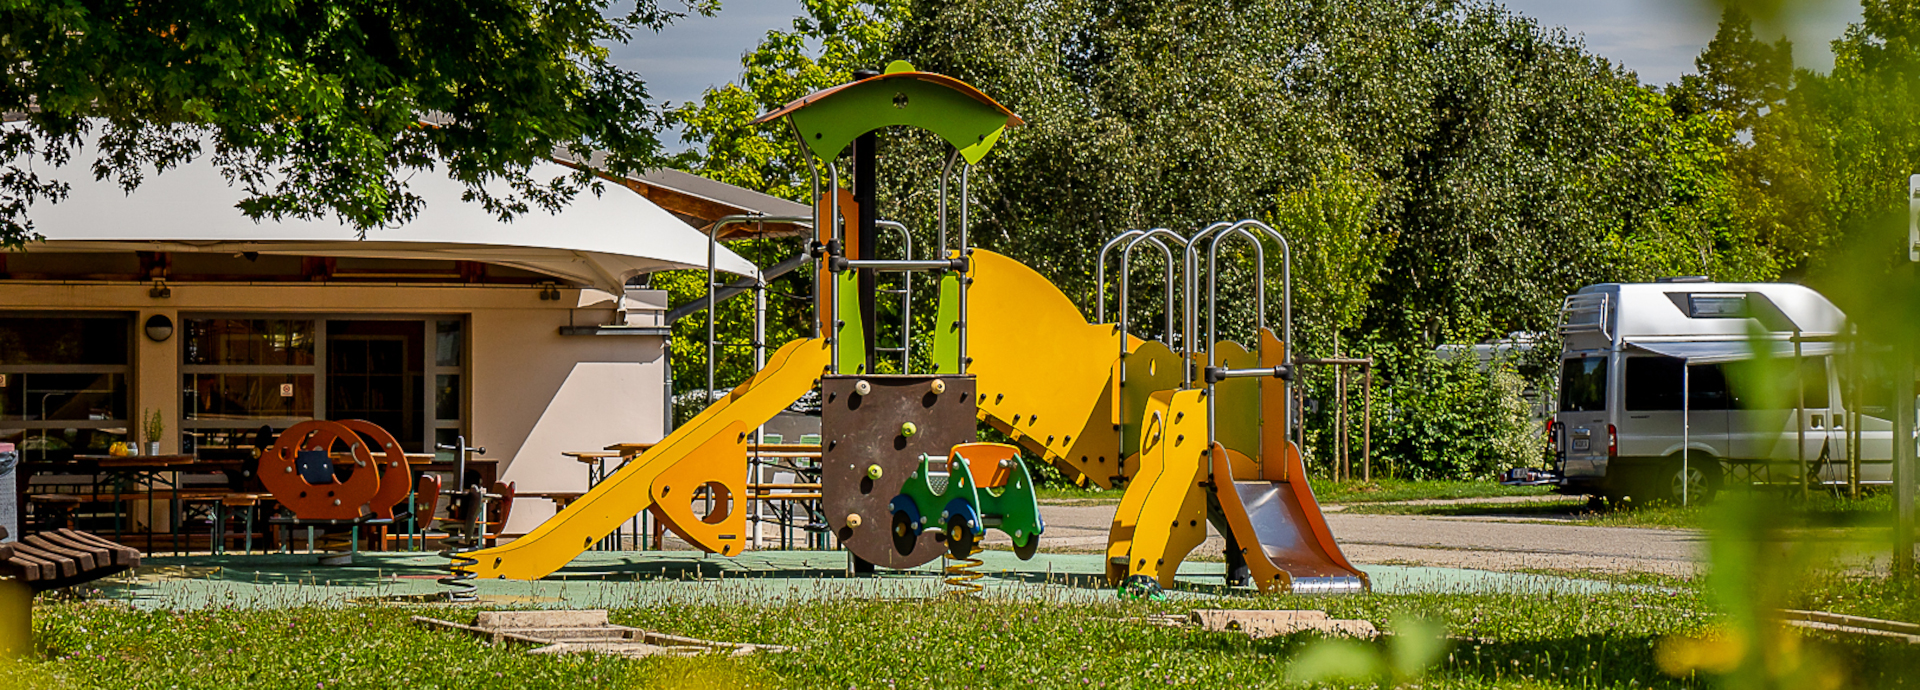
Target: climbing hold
{"x":853,"y":519}
{"x":908,"y":430}
{"x":938,"y":386}
{"x":874,"y":471}
{"x":862,"y":388}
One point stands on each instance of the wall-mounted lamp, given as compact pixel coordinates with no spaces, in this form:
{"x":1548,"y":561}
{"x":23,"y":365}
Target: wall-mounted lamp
{"x":160,"y":290}
{"x":159,"y":328}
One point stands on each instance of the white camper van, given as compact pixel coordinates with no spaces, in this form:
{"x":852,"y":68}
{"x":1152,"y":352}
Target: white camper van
{"x":1650,"y":369}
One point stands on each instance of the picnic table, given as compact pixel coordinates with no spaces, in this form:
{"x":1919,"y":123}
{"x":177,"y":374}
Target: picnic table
{"x":121,"y":480}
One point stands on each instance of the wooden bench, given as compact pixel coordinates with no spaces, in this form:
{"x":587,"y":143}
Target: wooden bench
{"x":63,"y":558}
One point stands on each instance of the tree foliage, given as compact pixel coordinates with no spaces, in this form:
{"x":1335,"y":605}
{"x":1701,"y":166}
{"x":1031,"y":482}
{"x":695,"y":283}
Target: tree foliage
{"x":1447,"y":171}
{"x":314,"y":107}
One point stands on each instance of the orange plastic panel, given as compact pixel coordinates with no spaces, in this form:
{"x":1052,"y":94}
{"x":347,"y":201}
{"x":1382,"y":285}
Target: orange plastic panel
{"x":334,"y":501}
{"x":719,"y":466}
{"x":395,"y":479}
{"x":986,"y":459}
{"x":823,"y":288}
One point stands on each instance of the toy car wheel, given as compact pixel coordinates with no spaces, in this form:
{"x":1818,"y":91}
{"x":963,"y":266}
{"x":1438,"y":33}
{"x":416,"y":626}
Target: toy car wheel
{"x":1140,"y":587}
{"x":904,"y":533}
{"x":1027,"y":551}
{"x":960,"y":538}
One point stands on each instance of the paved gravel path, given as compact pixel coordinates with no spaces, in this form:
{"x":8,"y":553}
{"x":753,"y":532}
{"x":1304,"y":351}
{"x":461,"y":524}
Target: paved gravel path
{"x":1457,"y":542}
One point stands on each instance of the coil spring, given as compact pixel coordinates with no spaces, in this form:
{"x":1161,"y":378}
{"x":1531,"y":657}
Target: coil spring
{"x":460,"y":542}
{"x":961,"y":576}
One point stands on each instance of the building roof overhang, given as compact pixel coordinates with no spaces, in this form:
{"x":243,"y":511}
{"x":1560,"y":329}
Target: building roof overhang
{"x":598,"y":242}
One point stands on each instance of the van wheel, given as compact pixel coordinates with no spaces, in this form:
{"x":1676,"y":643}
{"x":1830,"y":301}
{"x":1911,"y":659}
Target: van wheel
{"x":1697,"y":483}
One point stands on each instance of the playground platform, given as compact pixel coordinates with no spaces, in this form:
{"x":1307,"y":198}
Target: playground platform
{"x":607,"y":579}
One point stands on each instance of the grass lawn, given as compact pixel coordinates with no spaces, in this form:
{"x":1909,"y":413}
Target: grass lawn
{"x":1493,"y":641}
{"x":1378,"y":490}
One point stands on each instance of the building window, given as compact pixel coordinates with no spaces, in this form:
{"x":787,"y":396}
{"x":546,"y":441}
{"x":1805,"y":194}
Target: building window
{"x":64,"y":383}
{"x":241,"y":374}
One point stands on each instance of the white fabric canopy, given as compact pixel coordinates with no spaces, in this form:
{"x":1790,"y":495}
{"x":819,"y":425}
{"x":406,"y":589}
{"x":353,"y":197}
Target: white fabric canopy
{"x":1718,"y":351}
{"x":599,"y":241}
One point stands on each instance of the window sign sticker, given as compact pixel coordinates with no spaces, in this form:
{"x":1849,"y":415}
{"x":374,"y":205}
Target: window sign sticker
{"x":286,"y":390}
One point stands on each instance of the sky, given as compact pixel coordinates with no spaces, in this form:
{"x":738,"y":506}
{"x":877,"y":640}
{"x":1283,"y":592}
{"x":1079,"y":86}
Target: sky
{"x":1657,"y":39}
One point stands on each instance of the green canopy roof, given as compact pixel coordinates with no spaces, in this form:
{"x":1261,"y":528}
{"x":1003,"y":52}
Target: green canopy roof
{"x":830,"y":119}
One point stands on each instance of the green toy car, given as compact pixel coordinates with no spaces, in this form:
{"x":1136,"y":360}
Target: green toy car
{"x":977,"y":486}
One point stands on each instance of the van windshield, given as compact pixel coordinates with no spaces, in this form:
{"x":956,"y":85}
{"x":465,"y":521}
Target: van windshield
{"x":1583,"y":384}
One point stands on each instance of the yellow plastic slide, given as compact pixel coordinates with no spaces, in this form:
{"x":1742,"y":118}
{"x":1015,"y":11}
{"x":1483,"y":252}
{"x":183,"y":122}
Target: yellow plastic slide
{"x":709,"y":449}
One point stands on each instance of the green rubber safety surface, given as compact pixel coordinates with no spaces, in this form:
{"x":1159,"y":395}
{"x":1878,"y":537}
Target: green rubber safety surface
{"x":615,"y":579}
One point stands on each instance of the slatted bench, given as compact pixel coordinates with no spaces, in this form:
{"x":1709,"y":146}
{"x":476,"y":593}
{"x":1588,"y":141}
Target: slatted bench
{"x":63,"y":558}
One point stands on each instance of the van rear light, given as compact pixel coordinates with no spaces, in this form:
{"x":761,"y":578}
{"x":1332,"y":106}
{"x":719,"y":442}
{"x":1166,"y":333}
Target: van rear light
{"x":1613,"y":441}
{"x":1553,"y":439}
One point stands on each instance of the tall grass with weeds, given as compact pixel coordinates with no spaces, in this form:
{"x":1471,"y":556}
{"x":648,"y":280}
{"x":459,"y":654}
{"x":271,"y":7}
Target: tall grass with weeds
{"x":1520,"y":639}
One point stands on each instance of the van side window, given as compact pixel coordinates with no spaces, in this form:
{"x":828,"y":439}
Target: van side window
{"x":1583,"y":384}
{"x":1654,"y":384}
{"x":1813,"y":372}
{"x":1813,"y":384}
{"x":1707,"y":388}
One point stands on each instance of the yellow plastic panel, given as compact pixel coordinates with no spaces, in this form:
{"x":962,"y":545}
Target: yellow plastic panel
{"x":1274,"y":399}
{"x":1150,"y":368}
{"x":792,"y":371}
{"x":1236,"y":421}
{"x":720,"y":467}
{"x":1170,"y":516}
{"x":1043,"y":373}
{"x":1126,"y":518}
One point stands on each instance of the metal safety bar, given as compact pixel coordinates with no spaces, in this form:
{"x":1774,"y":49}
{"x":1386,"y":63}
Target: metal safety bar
{"x":838,"y":264}
{"x":756,"y":283}
{"x":1215,"y":235}
{"x":1172,"y":275}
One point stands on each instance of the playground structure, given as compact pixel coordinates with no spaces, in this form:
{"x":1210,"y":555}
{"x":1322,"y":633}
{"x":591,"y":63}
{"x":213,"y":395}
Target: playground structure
{"x":1193,"y":430}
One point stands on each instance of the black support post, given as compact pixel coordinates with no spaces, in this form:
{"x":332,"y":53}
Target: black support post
{"x":865,"y":180}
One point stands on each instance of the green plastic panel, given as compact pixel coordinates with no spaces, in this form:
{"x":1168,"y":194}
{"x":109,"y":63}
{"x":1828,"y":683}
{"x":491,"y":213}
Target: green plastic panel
{"x":946,"y":327}
{"x":852,"y":337}
{"x":1016,"y":505}
{"x":831,"y":123}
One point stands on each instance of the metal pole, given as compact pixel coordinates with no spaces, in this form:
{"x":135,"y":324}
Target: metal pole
{"x":813,"y":171}
{"x":1903,"y":403}
{"x":1366,"y":423}
{"x":1903,"y":446}
{"x":965,"y":224}
{"x":832,"y":282}
{"x":1852,"y":414}
{"x":713,"y":245}
{"x":1800,"y":415}
{"x":1686,"y":426}
{"x":666,"y":360}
